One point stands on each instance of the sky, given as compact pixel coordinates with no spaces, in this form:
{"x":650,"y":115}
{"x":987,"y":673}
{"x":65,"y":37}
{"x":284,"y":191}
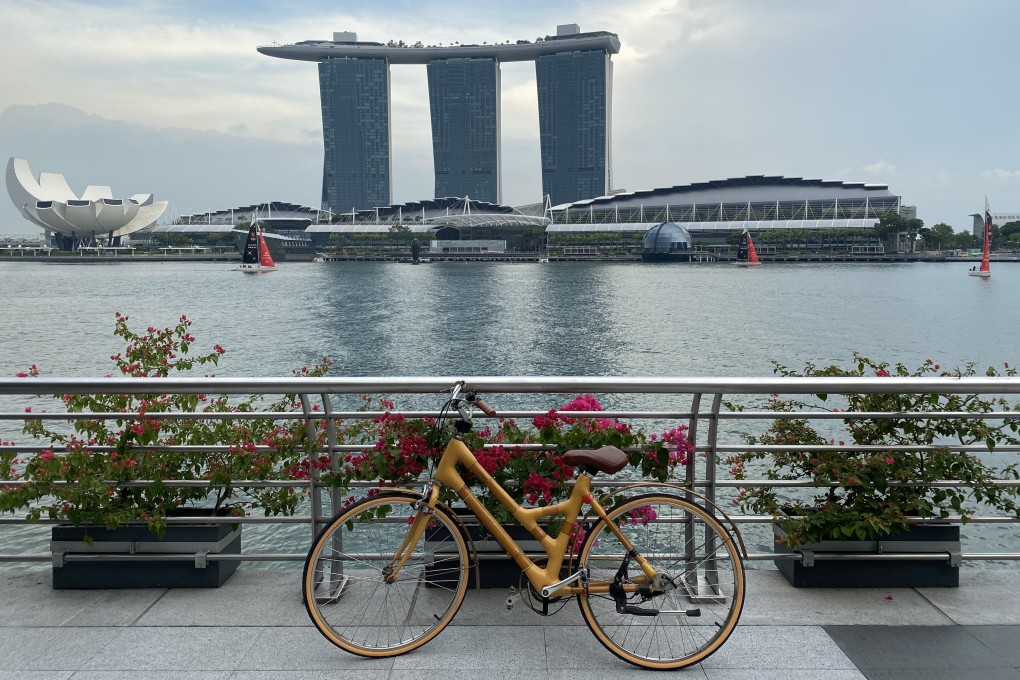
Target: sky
{"x":171,"y":98}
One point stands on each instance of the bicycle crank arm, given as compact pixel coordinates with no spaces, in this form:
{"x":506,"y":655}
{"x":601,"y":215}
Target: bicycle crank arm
{"x":581,"y":575}
{"x":641,"y":611}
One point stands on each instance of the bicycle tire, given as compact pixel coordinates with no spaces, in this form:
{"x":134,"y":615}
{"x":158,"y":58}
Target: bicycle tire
{"x":347,"y":596}
{"x":694,"y":618}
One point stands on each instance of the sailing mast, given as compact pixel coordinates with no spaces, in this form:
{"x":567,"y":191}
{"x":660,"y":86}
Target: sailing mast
{"x":985,"y":270}
{"x":988,"y":238}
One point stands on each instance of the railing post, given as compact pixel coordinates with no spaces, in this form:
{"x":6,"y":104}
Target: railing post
{"x":691,"y":473}
{"x":711,"y":571}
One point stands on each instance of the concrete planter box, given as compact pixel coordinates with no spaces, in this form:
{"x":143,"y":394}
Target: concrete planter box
{"x":861,"y":572}
{"x":196,"y":540}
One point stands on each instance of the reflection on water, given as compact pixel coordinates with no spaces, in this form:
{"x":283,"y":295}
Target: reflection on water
{"x":462,"y":319}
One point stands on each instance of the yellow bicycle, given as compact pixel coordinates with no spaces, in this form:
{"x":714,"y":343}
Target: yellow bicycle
{"x":658,"y":578}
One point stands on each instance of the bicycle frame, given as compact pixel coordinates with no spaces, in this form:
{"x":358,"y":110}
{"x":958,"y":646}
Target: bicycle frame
{"x":458,"y":454}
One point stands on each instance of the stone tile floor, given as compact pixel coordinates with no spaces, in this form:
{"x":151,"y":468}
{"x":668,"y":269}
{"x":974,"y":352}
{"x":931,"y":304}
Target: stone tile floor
{"x":255,"y":628}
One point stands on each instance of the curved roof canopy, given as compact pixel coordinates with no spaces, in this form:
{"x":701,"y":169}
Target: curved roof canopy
{"x":49,"y":203}
{"x":720,"y":188}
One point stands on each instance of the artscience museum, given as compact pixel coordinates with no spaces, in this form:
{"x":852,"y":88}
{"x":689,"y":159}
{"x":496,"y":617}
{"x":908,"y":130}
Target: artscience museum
{"x":94,"y":218}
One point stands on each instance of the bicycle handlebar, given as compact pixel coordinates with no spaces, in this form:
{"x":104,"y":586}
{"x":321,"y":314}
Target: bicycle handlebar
{"x":485,"y":408}
{"x":458,"y":398}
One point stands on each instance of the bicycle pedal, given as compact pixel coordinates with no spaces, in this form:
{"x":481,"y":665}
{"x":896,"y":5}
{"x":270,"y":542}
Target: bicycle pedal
{"x":512,"y":598}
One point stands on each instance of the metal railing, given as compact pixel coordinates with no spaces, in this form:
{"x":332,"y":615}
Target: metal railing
{"x":700,"y":403}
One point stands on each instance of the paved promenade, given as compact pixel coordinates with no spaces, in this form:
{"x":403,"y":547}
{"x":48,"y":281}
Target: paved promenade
{"x":255,"y":628}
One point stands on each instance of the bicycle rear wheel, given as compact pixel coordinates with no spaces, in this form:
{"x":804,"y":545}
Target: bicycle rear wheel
{"x":346,"y":591}
{"x":686,"y":616}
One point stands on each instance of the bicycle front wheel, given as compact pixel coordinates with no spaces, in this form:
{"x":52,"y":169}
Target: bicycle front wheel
{"x":352,"y":600}
{"x":689,"y":610}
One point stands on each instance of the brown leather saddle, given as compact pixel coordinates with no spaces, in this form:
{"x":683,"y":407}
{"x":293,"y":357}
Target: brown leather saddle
{"x":608,"y":459}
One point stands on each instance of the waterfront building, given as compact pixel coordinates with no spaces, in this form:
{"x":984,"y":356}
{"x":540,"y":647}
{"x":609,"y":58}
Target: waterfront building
{"x":574,"y":116}
{"x":472,"y":224}
{"x":688,"y":221}
{"x":573,"y":76}
{"x":667,"y":242}
{"x":754,"y":202}
{"x":284,"y":226}
{"x":713,"y":212}
{"x":276,"y":215}
{"x":355,"y":99}
{"x":998,"y":220}
{"x":94,"y":219}
{"x":464,"y":101}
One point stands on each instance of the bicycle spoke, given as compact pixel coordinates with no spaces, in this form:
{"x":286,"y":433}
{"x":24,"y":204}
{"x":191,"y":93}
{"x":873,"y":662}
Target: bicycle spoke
{"x":683,"y":542}
{"x":370,"y":614}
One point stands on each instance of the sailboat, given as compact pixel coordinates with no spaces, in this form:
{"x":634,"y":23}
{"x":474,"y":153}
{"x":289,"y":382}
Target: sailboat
{"x":747,"y":256}
{"x":256,"y":258}
{"x":985,"y":271}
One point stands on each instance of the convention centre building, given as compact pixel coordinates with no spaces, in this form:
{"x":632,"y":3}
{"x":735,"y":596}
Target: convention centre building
{"x":706,"y":216}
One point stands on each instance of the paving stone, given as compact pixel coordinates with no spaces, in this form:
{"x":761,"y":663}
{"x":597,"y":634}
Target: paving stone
{"x":780,"y":647}
{"x":771,"y":600}
{"x":914,"y":648}
{"x":51,"y":649}
{"x":27,"y":598}
{"x":479,"y":647}
{"x":180,"y":649}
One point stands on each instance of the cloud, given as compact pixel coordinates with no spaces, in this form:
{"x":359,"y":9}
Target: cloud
{"x":880,"y":168}
{"x":196,"y":170}
{"x":702,"y":89}
{"x":1001,"y":175}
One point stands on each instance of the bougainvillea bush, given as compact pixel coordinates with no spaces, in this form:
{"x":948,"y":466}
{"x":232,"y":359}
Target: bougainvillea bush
{"x":864,"y":493}
{"x":93,"y":471}
{"x":398,"y":450}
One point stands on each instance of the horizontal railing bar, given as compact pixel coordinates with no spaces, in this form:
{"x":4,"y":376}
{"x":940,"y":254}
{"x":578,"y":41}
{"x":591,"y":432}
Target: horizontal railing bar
{"x":319,"y":415}
{"x":860,"y":415}
{"x":517,"y":384}
{"x":913,"y":557}
{"x":605,"y":484}
{"x":863,"y":448}
{"x":719,"y":448}
{"x":470,"y":520}
{"x":300,"y":557}
{"x":637,"y":415}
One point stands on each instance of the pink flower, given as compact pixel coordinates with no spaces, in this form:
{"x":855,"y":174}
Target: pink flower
{"x":549,"y":418}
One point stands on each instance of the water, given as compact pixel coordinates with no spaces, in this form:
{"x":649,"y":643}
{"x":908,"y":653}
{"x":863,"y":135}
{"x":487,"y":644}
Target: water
{"x":521,"y":319}
{"x":586,"y":319}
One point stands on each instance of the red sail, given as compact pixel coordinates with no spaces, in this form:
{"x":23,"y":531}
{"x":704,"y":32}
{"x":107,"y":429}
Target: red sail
{"x":265,"y":259}
{"x":988,"y":237}
{"x":752,"y":254}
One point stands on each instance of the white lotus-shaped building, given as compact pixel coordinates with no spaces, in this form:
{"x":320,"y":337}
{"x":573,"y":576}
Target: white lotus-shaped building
{"x":95,"y":217}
